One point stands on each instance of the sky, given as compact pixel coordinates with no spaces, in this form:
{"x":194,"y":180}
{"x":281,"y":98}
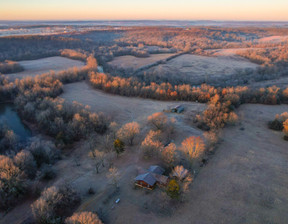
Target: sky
{"x":259,"y":10}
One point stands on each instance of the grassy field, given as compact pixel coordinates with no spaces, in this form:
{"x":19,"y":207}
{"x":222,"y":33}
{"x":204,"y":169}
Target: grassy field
{"x":45,"y":65}
{"x":229,"y":52}
{"x":119,"y":108}
{"x":135,"y":63}
{"x":198,"y":69}
{"x":273,"y":39}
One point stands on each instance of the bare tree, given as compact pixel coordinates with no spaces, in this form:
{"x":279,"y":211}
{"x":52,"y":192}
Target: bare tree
{"x":114,"y":176}
{"x":179,"y":172}
{"x":91,"y":62}
{"x":211,"y":138}
{"x":113,"y":128}
{"x":83,"y":218}
{"x":53,"y":203}
{"x":158,"y":120}
{"x":169,"y":154}
{"x":152,"y":144}
{"x":98,"y":158}
{"x":184,"y":178}
{"x":128,"y":132}
{"x":194,"y":148}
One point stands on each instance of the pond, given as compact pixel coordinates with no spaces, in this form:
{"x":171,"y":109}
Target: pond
{"x":9,"y":116}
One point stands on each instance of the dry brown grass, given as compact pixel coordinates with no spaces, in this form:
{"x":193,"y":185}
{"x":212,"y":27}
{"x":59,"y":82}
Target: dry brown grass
{"x":135,"y":63}
{"x":203,"y":66}
{"x":273,"y":39}
{"x":44,"y":65}
{"x":121,"y":109}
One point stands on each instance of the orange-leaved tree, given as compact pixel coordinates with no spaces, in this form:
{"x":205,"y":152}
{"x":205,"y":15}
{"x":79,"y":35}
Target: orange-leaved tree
{"x":194,"y":148}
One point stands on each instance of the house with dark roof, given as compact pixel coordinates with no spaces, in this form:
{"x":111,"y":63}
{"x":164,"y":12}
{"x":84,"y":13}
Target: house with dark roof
{"x":151,"y":178}
{"x":156,"y":169}
{"x":146,"y":180}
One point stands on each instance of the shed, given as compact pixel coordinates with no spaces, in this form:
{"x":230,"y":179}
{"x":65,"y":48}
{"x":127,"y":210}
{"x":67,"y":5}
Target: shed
{"x":145,"y":180}
{"x":156,"y":169}
{"x":178,"y":109}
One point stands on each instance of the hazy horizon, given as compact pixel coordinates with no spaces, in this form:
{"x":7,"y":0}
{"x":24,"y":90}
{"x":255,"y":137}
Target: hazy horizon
{"x":222,"y":10}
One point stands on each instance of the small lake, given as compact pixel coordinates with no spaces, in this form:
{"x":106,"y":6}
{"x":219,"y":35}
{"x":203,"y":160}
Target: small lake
{"x":9,"y":116}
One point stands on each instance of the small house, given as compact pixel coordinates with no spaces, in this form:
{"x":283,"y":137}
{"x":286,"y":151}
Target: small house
{"x":177,"y":109}
{"x":151,"y":178}
{"x":146,"y":180}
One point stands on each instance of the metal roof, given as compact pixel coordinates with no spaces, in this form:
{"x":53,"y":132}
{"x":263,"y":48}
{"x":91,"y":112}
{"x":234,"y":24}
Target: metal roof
{"x":156,"y":169}
{"x":147,"y":177}
{"x":160,"y":178}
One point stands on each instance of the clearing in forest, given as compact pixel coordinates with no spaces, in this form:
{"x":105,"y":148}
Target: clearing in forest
{"x":45,"y":65}
{"x":133,"y":62}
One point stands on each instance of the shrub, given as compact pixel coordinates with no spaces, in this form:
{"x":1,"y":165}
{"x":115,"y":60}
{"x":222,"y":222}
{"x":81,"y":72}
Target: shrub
{"x":8,"y":67}
{"x":44,"y":152}
{"x":119,"y":146}
{"x":276,"y":125}
{"x":91,"y":190}
{"x":173,"y":189}
{"x":47,"y":172}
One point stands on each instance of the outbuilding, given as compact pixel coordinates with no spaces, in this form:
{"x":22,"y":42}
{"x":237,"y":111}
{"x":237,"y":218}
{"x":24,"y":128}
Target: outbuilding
{"x":177,"y":109}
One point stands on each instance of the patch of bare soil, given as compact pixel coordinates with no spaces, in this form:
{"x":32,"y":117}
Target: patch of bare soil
{"x":44,"y":65}
{"x":129,"y":61}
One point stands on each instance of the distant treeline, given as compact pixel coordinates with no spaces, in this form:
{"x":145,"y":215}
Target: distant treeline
{"x":166,"y":91}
